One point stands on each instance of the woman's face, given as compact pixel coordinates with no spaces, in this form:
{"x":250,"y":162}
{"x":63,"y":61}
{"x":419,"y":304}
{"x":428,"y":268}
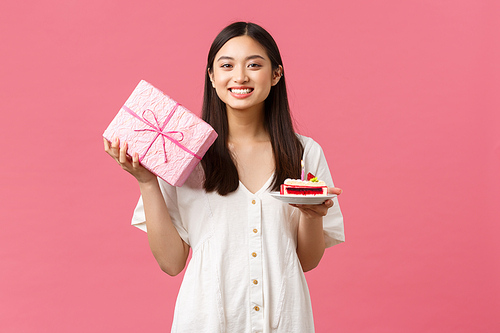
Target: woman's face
{"x":242,"y":74}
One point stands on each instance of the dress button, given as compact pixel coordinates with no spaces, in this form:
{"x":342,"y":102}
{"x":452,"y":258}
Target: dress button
{"x":254,"y":254}
{"x":255,"y":231}
{"x":255,"y":281}
{"x":253,"y":202}
{"x":256,"y":308}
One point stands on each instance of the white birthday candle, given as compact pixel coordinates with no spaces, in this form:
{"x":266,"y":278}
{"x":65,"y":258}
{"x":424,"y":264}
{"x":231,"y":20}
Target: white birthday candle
{"x":302,"y":165}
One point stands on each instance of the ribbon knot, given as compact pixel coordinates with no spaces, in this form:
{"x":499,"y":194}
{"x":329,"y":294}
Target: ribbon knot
{"x":159,"y":130}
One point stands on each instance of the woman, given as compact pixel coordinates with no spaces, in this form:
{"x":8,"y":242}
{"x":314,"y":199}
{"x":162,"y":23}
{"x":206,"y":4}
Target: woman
{"x":249,"y":249}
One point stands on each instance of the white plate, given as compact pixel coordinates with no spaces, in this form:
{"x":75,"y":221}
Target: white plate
{"x":302,"y":200}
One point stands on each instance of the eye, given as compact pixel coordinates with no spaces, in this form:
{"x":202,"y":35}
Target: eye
{"x":225,"y":66}
{"x":254,"y":65}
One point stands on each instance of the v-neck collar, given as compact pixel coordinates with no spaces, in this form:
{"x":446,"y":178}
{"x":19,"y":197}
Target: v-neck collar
{"x":262,"y":189}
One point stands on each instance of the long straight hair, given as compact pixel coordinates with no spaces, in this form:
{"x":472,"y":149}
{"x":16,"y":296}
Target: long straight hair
{"x":221,"y":174}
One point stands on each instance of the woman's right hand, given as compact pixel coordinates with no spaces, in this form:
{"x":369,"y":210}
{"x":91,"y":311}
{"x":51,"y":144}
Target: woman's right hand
{"x":128,"y":163}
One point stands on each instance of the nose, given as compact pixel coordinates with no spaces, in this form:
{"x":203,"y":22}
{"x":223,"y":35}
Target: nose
{"x":240,"y":75}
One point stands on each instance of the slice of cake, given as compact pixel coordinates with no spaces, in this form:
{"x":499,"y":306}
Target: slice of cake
{"x":311,"y":186}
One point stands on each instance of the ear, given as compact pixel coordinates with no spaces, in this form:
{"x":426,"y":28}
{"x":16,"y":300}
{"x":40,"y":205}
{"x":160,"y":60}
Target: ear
{"x":277,"y":74}
{"x":211,"y":76}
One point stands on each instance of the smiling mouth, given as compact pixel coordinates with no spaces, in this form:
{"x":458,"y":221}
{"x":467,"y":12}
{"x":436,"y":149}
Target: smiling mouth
{"x":241,"y":91}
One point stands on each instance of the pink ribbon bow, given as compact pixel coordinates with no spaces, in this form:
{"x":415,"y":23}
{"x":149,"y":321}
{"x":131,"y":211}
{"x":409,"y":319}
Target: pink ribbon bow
{"x":159,"y":131}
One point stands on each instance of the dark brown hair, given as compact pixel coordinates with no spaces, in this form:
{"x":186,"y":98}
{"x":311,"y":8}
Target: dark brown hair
{"x":221,"y":174}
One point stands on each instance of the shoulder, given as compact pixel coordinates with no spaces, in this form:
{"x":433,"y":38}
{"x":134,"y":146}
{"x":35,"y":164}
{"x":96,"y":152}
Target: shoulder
{"x":310,"y":146}
{"x":314,"y":158}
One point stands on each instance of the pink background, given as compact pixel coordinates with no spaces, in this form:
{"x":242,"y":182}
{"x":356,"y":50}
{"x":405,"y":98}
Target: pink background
{"x":402,"y":95}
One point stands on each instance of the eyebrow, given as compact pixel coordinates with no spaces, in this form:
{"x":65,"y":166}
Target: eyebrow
{"x":255,"y":56}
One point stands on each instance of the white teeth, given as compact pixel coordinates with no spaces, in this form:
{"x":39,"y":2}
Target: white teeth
{"x":241,"y":91}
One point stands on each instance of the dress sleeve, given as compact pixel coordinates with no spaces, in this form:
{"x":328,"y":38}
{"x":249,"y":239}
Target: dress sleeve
{"x":170,"y":196}
{"x":315,"y":162}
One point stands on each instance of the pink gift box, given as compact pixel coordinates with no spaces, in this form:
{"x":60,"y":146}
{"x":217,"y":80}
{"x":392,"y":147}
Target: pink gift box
{"x":169,"y":139}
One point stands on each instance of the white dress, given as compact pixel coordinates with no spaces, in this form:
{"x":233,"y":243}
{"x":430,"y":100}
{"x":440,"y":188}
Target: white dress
{"x":244,"y":274}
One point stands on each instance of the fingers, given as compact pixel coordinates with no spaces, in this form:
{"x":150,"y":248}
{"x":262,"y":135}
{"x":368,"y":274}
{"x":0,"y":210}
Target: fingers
{"x":115,"y":145}
{"x":135,"y":161}
{"x":106,"y":145}
{"x":315,"y":210}
{"x":131,"y":164}
{"x":335,"y":190}
{"x":111,"y":147}
{"x":118,"y":154}
{"x":123,"y":154}
{"x":328,"y":203}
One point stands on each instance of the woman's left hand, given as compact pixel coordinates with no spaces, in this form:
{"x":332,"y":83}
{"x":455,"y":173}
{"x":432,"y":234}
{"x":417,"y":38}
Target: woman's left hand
{"x":315,"y":211}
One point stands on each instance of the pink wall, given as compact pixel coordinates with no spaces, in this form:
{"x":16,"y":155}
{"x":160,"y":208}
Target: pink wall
{"x":402,"y":95}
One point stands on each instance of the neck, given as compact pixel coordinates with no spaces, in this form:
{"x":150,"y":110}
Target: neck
{"x":246,"y":125}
